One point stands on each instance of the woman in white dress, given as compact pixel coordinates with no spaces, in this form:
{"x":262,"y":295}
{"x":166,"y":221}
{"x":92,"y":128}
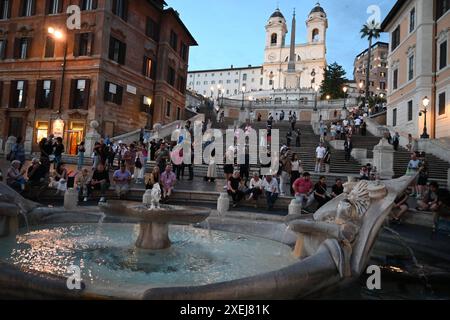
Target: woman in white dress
{"x":211,"y":175}
{"x":139,"y":167}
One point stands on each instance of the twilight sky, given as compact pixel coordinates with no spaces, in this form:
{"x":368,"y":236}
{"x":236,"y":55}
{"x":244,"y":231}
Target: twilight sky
{"x":231,"y":32}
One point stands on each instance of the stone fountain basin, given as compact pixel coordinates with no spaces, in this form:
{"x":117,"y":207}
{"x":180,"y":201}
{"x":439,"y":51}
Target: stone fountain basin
{"x":167,"y":214}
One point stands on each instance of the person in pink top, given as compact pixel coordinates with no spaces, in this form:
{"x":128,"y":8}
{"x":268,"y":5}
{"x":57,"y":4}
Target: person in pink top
{"x":303,"y":188}
{"x":168,"y":179}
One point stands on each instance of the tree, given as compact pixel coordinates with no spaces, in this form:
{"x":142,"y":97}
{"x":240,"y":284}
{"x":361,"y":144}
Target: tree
{"x":333,"y":81}
{"x":369,"y":31}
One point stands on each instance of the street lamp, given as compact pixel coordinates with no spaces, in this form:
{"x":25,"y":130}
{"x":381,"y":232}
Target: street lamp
{"x":148,"y":103}
{"x":425,"y":103}
{"x":212,"y":91}
{"x":59,"y":36}
{"x":316,"y":89}
{"x":243,"y":98}
{"x":328,"y":98}
{"x":345,"y":89}
{"x":218,"y":91}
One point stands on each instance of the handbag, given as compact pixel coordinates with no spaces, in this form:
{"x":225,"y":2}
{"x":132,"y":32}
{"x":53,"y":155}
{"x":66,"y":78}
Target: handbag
{"x":138,"y":163}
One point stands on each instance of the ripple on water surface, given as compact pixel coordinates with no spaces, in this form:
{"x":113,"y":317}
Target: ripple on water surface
{"x":106,"y":255}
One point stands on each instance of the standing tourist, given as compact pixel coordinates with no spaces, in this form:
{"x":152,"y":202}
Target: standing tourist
{"x":348,"y":147}
{"x":18,"y":152}
{"x":81,"y":149}
{"x":320,"y":154}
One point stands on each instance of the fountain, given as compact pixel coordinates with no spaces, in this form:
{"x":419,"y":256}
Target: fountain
{"x":154,"y":221}
{"x":220,"y":258}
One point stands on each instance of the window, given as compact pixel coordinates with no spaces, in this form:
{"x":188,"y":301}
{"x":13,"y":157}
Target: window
{"x":315,"y":35}
{"x":273,"y":39}
{"x":213,"y":82}
{"x":410,"y":110}
{"x":184,"y":52}
{"x":442,"y":7}
{"x":410,"y":68}
{"x":5,"y":9}
{"x":113,"y":93}
{"x":22,"y":47}
{"x":149,"y":69}
{"x":394,"y":117}
{"x":44,"y":93}
{"x":382,"y":85}
{"x":228,"y":81}
{"x":120,"y":8}
{"x":168,"y":109}
{"x":87,"y":5}
{"x":178,"y":113}
{"x":395,"y":38}
{"x":49,"y":47}
{"x":236,"y":81}
{"x":117,"y":50}
{"x":79,"y":93}
{"x":171,"y":76}
{"x":53,"y":6}
{"x":152,"y":29}
{"x":173,"y":40}
{"x":83,"y":45}
{"x":181,"y":84}
{"x":27,"y":8}
{"x":18,"y":94}
{"x":261,"y":81}
{"x":3,"y":44}
{"x":412,"y":20}
{"x":205,"y":82}
{"x":146,"y":104}
{"x":244,"y":77}
{"x":442,"y":55}
{"x":395,"y":80}
{"x":441,"y":104}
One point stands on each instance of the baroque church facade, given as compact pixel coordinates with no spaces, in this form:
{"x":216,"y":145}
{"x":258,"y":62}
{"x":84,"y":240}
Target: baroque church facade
{"x":292,"y":67}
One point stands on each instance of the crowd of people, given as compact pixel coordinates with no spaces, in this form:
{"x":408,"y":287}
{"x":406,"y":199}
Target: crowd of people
{"x":118,"y":164}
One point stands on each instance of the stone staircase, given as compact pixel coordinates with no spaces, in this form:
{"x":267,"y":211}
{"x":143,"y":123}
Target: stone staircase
{"x":308,"y":144}
{"x":437,"y":168}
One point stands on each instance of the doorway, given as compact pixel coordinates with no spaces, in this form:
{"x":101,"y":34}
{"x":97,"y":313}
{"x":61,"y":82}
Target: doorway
{"x":76,"y":135}
{"x":15,"y":128}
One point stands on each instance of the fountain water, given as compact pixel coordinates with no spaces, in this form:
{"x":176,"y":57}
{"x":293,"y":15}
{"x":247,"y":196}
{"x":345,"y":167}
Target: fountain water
{"x":421,"y":273}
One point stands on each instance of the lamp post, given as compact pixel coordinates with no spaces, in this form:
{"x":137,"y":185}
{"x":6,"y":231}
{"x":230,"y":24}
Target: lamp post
{"x":59,"y":36}
{"x":360,"y":92}
{"x":345,"y":89}
{"x":316,"y":89}
{"x":425,"y":103}
{"x":218,"y":91}
{"x":212,"y":92}
{"x":148,"y":102}
{"x":243,"y":98}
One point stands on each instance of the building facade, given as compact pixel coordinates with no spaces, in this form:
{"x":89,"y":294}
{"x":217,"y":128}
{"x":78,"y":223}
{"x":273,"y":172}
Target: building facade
{"x":378,"y":70}
{"x":419,"y":67}
{"x":292,"y":67}
{"x":126,"y":67}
